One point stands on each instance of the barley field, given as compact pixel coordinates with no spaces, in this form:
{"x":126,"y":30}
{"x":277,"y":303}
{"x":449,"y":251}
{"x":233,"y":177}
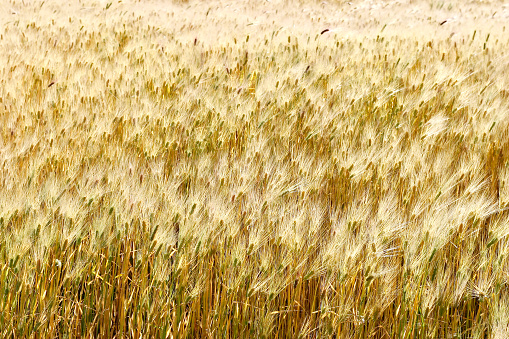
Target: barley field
{"x":243,"y":169}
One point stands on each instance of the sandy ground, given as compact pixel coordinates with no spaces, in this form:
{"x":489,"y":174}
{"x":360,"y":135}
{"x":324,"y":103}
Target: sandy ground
{"x":214,"y":21}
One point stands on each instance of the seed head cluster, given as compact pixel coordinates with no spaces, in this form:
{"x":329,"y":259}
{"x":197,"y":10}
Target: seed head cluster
{"x":195,"y":169}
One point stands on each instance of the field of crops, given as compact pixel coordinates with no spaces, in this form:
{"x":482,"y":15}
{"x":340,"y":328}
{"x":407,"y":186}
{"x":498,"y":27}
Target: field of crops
{"x":234,"y":169}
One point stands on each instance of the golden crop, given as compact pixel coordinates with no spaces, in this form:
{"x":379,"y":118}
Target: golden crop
{"x":213,"y":169}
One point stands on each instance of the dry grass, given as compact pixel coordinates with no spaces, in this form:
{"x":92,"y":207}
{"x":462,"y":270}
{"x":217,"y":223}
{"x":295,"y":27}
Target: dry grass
{"x":167,"y":180}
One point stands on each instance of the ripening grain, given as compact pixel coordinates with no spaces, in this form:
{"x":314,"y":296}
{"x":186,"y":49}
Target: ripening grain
{"x":281,"y":170}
